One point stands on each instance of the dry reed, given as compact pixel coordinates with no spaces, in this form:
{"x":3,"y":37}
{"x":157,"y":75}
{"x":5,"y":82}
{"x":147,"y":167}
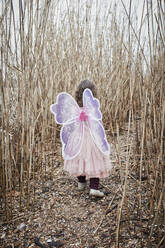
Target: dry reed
{"x":43,"y":52}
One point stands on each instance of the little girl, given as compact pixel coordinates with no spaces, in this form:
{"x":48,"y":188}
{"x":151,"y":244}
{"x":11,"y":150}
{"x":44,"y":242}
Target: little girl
{"x":85,"y":148}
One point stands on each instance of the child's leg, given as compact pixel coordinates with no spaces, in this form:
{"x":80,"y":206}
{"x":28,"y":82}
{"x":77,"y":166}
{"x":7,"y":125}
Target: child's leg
{"x":81,"y":182}
{"x":82,"y":179}
{"x":94,"y":185}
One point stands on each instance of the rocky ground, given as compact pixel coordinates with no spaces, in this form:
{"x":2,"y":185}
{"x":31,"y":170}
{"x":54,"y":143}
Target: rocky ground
{"x":61,"y":216}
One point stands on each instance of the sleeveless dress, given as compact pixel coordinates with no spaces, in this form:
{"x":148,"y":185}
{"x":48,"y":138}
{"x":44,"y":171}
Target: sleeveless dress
{"x":90,"y":162}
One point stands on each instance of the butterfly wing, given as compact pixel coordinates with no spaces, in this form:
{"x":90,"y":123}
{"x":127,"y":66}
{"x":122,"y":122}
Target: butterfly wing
{"x":72,"y":137}
{"x":66,"y":110}
{"x":91,"y":105}
{"x":92,"y":108}
{"x":67,"y":113}
{"x":98,"y":134}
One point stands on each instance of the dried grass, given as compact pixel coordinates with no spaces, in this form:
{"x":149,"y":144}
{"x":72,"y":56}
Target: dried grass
{"x":44,"y":57}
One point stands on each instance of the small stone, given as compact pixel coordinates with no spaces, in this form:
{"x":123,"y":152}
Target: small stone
{"x":21,"y":226}
{"x":49,"y":241}
{"x":3,"y":235}
{"x":45,"y":189}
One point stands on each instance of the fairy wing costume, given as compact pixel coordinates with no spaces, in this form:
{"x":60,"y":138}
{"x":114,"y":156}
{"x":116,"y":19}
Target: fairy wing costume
{"x":73,"y":118}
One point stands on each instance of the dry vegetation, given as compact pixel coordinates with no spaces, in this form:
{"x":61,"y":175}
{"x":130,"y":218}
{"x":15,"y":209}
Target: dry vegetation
{"x":46,"y":51}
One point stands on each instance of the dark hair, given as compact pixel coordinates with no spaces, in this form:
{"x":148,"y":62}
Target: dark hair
{"x":80,"y":89}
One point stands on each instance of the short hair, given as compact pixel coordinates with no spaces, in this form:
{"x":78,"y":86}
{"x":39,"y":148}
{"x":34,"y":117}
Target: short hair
{"x":80,"y":89}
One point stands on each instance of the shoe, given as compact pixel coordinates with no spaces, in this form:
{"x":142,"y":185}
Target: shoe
{"x":81,"y":186}
{"x":95,"y":192}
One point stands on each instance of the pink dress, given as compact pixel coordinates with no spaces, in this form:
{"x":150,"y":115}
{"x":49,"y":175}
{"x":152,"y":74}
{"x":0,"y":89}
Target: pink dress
{"x":90,"y":162}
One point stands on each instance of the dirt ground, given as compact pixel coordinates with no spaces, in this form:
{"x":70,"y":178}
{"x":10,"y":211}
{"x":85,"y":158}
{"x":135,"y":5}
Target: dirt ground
{"x":61,"y":216}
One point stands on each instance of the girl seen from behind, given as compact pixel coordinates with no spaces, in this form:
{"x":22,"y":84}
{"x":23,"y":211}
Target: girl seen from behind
{"x":84,"y":145}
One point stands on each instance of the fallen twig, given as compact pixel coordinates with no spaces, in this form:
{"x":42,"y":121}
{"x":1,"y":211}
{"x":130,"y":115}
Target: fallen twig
{"x":107,"y":210}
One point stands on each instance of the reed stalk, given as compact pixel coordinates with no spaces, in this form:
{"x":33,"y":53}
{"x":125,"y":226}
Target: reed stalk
{"x":45,"y":51}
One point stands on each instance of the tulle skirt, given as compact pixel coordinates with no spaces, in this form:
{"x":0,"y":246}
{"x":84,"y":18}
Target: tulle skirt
{"x":90,"y":162}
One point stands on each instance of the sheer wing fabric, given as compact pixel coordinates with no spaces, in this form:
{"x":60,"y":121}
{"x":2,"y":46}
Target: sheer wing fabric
{"x":68,"y":114}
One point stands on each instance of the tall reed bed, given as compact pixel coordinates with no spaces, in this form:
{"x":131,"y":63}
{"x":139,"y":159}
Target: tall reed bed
{"x":45,"y":50}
